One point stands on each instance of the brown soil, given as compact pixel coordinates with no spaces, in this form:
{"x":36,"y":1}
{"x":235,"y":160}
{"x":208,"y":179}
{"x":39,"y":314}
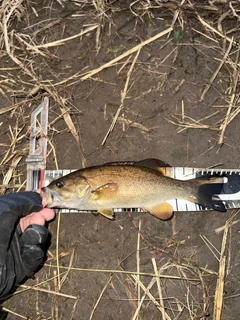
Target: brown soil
{"x":168,"y":77}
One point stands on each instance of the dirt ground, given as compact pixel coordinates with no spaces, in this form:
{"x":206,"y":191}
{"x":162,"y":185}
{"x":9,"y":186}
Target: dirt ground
{"x":157,"y":93}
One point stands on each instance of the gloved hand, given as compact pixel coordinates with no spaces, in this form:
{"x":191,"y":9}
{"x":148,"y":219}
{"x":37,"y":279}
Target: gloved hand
{"x":21,"y":253}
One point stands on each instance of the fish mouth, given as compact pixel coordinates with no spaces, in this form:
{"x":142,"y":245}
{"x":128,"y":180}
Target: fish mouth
{"x":48,"y":197}
{"x":51,"y":199}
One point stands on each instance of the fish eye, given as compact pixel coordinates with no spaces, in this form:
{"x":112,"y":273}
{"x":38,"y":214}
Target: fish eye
{"x":59,"y":184}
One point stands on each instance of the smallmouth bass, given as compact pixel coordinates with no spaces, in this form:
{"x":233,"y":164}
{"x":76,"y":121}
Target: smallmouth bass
{"x":140,"y":184}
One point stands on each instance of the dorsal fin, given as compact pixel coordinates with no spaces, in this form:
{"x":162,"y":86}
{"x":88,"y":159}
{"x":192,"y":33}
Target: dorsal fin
{"x":149,"y":162}
{"x":121,"y":163}
{"x":153,"y":163}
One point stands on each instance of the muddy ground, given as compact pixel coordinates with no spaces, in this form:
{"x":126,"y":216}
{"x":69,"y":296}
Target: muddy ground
{"x":162,"y":116}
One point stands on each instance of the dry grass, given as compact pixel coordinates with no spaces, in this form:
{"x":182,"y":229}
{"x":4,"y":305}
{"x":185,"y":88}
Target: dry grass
{"x":144,"y":289}
{"x":27,"y":75}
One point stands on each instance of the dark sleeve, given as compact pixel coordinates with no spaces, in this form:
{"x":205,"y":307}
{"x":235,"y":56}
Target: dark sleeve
{"x":20,"y":253}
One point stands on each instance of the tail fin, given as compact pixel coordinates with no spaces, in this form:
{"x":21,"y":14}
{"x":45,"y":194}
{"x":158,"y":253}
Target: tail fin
{"x":207,"y":194}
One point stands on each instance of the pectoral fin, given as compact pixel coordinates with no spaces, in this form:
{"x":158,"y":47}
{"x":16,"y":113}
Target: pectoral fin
{"x":103,"y":193}
{"x":163,"y":211}
{"x":106,"y":190}
{"x":108,"y":213}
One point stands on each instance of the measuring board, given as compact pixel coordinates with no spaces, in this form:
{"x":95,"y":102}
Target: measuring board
{"x":38,"y":176}
{"x":230,"y":194}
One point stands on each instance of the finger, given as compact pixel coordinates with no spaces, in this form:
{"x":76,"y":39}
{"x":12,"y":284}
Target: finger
{"x":39,"y":218}
{"x":35,"y":235}
{"x":47,"y":213}
{"x":36,"y":241}
{"x":33,"y":218}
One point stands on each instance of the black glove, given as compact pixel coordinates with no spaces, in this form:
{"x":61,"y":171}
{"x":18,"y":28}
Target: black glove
{"x":21,"y":254}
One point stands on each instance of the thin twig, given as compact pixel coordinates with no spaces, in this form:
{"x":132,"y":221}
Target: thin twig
{"x":213,"y":77}
{"x":123,"y":97}
{"x":62,"y":41}
{"x":67,"y":118}
{"x":218,"y":301}
{"x":122,"y":271}
{"x":60,"y":294}
{"x":229,"y":117}
{"x":162,"y":309}
{"x":125,"y":54}
{"x":100,"y":297}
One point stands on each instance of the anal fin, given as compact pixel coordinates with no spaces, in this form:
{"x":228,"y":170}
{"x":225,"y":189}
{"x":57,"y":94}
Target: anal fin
{"x":108,"y":213}
{"x":163,"y":211}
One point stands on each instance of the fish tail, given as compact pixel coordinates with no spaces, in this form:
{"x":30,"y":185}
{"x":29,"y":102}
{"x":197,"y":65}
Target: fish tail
{"x":207,"y":192}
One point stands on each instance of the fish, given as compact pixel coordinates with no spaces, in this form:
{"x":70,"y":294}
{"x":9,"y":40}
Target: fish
{"x":130,"y":184}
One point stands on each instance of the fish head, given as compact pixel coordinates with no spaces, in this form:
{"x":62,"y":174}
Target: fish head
{"x":66,"y":192}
